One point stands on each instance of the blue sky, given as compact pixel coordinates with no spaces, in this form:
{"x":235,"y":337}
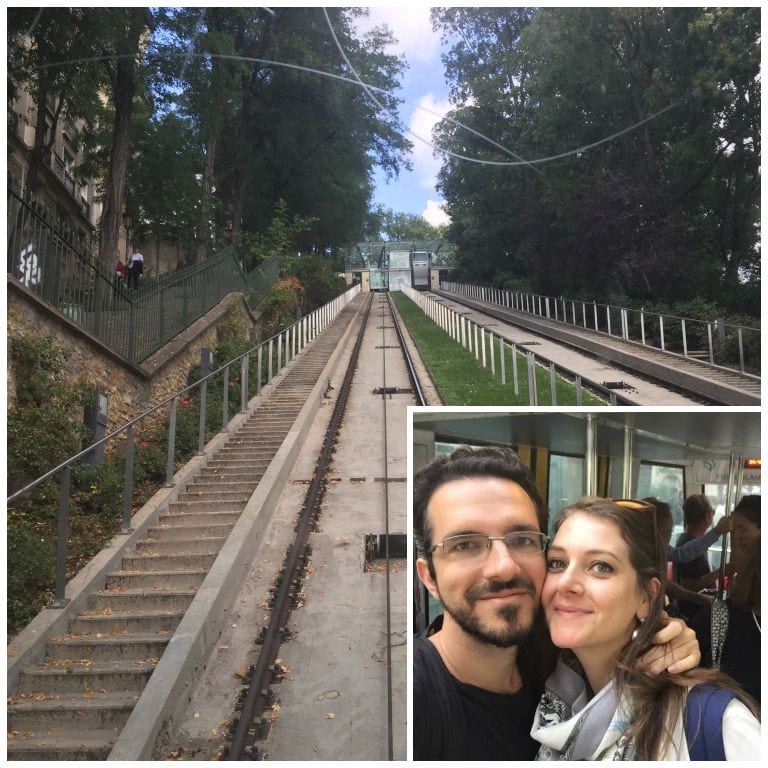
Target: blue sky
{"x":423,"y":85}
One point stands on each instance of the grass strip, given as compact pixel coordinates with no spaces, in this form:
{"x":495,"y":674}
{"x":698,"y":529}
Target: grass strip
{"x":461,"y":379}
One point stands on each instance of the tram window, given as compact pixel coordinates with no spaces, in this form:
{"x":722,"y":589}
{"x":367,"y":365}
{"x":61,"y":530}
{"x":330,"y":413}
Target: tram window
{"x":445,"y":449}
{"x":666,"y":483}
{"x":565,"y":485}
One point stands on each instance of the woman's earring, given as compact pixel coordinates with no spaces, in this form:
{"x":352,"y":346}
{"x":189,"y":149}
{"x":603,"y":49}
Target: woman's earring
{"x":637,"y":629}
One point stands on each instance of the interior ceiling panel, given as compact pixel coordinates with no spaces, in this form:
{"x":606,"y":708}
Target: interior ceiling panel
{"x":663,"y":435}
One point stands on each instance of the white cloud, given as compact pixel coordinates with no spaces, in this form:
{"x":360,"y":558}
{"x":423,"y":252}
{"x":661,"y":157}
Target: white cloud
{"x":412,"y":28}
{"x":435,"y":214}
{"x":421,"y":122}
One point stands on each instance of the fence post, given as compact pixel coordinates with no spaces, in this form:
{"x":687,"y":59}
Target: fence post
{"x":201,"y":434}
{"x":128,"y":493}
{"x":514,"y":370}
{"x":131,"y":334}
{"x":532,"y":389}
{"x":552,"y":384}
{"x":493,"y":357}
{"x":709,"y":342}
{"x":244,"y":382}
{"x":269,"y":362}
{"x":258,"y":368}
{"x":578,"y":390}
{"x":62,"y":533}
{"x":741,"y":348}
{"x":661,"y":331}
{"x":685,"y":340}
{"x":502,"y":362}
{"x":642,"y":324}
{"x":162,"y":315}
{"x":225,"y":398}
{"x":171,"y":465}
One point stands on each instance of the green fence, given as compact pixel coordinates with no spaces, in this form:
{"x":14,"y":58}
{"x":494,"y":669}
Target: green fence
{"x":50,"y":261}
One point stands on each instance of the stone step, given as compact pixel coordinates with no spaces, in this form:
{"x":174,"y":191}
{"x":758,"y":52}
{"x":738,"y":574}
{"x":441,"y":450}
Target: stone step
{"x":225,"y":486}
{"x":187,"y":579}
{"x":108,"y":647}
{"x":198,"y":518}
{"x":211,"y":505}
{"x":116,"y":601}
{"x":86,"y":745}
{"x":61,"y":713}
{"x":189,"y":545}
{"x":169,"y":562}
{"x":97,"y":676}
{"x":250,"y":439}
{"x":171,"y":533}
{"x":196,"y":496}
{"x":234,"y":474}
{"x":129,"y":622}
{"x":238,"y":460}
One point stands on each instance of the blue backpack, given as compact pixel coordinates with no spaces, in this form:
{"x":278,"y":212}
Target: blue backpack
{"x":704,"y":721}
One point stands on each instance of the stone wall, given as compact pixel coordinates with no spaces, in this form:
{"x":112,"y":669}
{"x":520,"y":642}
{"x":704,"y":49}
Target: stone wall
{"x":131,"y":389}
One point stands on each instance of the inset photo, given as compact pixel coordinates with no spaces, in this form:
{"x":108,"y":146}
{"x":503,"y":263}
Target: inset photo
{"x":586,"y":584}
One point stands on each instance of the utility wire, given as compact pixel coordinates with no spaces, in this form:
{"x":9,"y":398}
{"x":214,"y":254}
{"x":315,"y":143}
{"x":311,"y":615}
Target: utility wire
{"x":431,"y":112}
{"x":311,"y":70}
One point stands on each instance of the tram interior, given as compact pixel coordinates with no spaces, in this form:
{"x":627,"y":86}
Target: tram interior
{"x":632,"y":454}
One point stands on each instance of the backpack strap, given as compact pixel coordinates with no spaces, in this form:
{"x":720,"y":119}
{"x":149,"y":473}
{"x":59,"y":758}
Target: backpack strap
{"x":704,"y":710}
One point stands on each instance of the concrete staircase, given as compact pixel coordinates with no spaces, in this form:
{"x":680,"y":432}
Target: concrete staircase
{"x":73,"y":704}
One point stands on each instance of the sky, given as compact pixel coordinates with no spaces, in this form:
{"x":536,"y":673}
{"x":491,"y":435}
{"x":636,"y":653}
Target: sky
{"x":423,"y":85}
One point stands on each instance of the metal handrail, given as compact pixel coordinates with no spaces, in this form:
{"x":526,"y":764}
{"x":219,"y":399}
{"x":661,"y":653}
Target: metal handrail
{"x":277,"y":351}
{"x":677,"y":336}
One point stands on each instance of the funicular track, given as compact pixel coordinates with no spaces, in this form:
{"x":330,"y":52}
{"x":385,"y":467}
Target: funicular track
{"x":706,"y":383}
{"x":251,"y":729}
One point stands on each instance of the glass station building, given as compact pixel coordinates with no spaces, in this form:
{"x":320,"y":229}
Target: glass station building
{"x":385,"y":266}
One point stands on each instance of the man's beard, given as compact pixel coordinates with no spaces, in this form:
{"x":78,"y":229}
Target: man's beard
{"x":513,"y":633}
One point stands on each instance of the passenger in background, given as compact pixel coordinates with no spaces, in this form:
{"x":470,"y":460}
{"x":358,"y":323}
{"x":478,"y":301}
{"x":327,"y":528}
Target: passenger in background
{"x":603,"y":600}
{"x":731,"y":641}
{"x":692,"y":549}
{"x":696,"y":574}
{"x":729,"y":631}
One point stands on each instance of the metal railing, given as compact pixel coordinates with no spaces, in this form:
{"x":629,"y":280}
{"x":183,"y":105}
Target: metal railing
{"x":48,"y":258}
{"x":492,"y":350}
{"x":715,"y":342}
{"x":260,"y":364}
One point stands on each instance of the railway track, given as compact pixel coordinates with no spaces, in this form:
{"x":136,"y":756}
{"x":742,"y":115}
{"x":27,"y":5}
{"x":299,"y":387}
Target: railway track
{"x":695,"y":379}
{"x":256,"y":734}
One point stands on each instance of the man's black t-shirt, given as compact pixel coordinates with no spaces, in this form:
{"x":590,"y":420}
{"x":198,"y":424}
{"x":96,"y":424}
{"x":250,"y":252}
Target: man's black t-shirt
{"x":457,"y":721}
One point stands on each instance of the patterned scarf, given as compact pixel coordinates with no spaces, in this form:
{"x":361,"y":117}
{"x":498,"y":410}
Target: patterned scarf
{"x":571,"y":726}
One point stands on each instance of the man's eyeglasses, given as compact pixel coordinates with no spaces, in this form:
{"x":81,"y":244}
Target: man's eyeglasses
{"x":469,"y":546}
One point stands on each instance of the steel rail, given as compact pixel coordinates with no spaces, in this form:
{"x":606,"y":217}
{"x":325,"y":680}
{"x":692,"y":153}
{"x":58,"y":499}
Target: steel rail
{"x":417,"y":391}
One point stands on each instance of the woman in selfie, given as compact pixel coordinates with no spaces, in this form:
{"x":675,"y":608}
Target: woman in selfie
{"x":603,"y":599}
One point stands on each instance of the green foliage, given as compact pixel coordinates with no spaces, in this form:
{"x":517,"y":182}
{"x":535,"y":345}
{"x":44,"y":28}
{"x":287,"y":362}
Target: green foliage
{"x":384,"y":223}
{"x":45,"y":425}
{"x":461,"y":379}
{"x":30,"y":573}
{"x":668,"y":211}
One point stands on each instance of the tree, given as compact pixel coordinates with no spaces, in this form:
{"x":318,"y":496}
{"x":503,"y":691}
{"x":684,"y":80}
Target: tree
{"x":668,"y":209}
{"x":387,"y":224}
